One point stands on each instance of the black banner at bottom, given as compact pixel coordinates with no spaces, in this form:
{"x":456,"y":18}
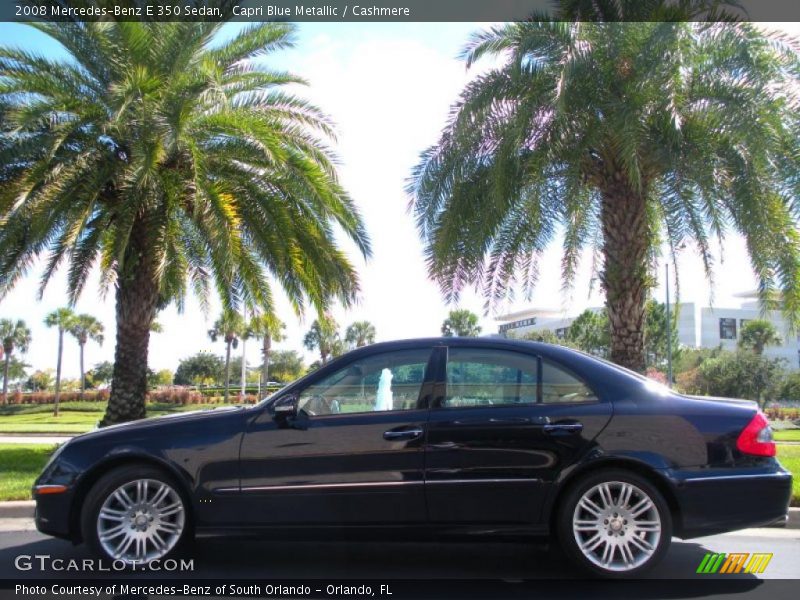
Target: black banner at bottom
{"x":401,"y":589}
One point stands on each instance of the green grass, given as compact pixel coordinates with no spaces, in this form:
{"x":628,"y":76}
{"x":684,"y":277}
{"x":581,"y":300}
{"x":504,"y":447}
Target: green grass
{"x":20,"y":464}
{"x":790,"y":459}
{"x":66,"y":422}
{"x":74,"y":417}
{"x":787,"y":435}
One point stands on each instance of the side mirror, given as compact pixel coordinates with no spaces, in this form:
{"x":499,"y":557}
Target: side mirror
{"x":285,"y":409}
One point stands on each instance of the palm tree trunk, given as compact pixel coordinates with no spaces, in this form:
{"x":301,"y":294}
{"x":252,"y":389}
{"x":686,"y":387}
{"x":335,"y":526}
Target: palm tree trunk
{"x":83,"y":373}
{"x":137,"y":300}
{"x":5,"y":377}
{"x":625,"y":278}
{"x":58,"y":368}
{"x":227,"y":369}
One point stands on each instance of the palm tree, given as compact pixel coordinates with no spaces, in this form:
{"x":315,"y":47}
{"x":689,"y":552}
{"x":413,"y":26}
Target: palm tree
{"x":623,"y":137}
{"x":270,"y":329}
{"x":461,"y":323}
{"x":63,"y":319}
{"x":173,"y":160}
{"x":324,"y":336}
{"x":85,"y":328}
{"x":230,"y":328}
{"x":360,"y":333}
{"x":14,"y":336}
{"x":757,"y":334}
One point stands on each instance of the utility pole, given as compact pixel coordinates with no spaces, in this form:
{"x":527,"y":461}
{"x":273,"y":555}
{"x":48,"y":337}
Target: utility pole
{"x":669,"y":330}
{"x":244,"y":359}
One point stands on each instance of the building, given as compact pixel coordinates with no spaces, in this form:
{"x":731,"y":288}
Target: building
{"x":698,"y":326}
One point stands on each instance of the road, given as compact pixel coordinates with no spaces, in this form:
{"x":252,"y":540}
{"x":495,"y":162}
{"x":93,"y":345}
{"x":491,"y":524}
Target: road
{"x":244,"y":558}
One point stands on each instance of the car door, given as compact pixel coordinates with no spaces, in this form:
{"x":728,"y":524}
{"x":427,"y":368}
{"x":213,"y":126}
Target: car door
{"x":354,"y":452}
{"x":503,"y":425}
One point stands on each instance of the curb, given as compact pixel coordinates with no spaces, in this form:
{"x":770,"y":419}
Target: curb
{"x":23,"y":509}
{"x":17,"y":509}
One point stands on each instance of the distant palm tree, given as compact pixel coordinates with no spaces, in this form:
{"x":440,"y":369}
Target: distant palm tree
{"x":174,"y":159}
{"x":625,"y":136}
{"x":230,"y":328}
{"x":360,"y":333}
{"x":324,"y":336}
{"x":270,"y":329}
{"x":757,"y":334}
{"x":85,"y":328}
{"x":462,"y":323}
{"x":63,"y":319}
{"x":14,"y":336}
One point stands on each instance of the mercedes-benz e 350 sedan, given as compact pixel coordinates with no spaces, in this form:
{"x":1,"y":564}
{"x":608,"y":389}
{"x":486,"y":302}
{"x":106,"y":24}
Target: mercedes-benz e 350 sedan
{"x":446,"y":436}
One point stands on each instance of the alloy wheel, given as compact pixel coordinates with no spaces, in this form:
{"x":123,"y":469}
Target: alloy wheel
{"x":616,"y":526}
{"x":140,"y":521}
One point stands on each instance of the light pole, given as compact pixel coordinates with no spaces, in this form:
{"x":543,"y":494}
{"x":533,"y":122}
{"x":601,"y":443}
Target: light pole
{"x":244,"y":359}
{"x":669,"y":330}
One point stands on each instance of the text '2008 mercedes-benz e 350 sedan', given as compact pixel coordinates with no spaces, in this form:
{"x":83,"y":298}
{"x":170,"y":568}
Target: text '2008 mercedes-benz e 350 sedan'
{"x":448,"y":436}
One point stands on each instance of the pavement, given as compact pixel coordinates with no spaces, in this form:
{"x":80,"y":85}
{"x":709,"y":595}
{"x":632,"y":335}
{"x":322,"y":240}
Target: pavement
{"x":227,"y":558}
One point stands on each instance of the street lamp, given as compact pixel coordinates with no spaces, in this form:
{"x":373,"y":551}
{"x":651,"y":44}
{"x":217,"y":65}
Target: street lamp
{"x":669,"y":329}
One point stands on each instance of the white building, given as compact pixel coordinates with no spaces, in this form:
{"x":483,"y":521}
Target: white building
{"x":698,"y":326}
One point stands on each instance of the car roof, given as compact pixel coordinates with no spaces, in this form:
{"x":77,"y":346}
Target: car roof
{"x":543,"y":349}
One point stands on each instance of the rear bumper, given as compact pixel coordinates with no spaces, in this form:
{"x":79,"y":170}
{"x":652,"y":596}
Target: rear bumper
{"x":718,"y":501}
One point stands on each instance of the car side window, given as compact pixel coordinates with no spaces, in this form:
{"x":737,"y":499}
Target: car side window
{"x":560,"y":386}
{"x":482,"y":377}
{"x":384,"y":382}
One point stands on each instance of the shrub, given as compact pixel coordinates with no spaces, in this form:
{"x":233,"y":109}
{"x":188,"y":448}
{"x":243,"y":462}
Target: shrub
{"x":690,"y":382}
{"x":741,"y":374}
{"x":656,"y":375}
{"x":789,"y":389}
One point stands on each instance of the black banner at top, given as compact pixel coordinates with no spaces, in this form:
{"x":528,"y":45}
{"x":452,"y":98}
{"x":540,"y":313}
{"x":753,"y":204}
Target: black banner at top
{"x":395,"y":10}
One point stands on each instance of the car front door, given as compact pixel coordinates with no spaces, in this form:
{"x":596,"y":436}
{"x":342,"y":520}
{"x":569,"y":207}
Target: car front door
{"x":503,"y":425}
{"x":352,"y":454}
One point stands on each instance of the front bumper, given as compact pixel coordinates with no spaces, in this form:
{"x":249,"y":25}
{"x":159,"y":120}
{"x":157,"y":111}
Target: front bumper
{"x":717,"y":501}
{"x":52,"y":516}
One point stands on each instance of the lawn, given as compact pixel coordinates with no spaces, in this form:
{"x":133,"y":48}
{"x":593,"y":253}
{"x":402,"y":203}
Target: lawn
{"x":790,"y":459}
{"x":75,"y":417}
{"x":20,"y":464}
{"x":787,"y":435}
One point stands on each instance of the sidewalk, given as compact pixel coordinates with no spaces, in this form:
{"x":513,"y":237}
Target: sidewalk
{"x":35,"y":438}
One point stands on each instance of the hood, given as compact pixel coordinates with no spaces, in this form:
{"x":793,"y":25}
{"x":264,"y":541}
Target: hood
{"x":161,"y":420}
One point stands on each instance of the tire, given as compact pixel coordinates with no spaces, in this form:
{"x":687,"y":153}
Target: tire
{"x":614,"y":524}
{"x":145,"y":516}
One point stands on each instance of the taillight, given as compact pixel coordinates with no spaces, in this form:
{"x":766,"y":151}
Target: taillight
{"x":756,"y":438}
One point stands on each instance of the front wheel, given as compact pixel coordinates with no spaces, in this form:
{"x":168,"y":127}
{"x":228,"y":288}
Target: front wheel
{"x":615,"y":524}
{"x":135,"y":515}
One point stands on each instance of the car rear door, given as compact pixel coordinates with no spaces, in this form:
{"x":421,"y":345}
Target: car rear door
{"x":503,"y":425}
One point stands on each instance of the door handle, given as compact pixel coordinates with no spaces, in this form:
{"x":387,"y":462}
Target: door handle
{"x":394,"y":435}
{"x":563,"y":428}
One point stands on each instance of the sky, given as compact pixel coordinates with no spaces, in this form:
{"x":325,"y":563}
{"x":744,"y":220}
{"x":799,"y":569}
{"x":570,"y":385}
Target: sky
{"x":388,"y":88}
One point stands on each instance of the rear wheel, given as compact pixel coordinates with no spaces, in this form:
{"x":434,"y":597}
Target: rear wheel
{"x":135,"y":514}
{"x":615,"y":524}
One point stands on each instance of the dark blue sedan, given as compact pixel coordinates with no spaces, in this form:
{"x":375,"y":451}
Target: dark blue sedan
{"x":430,"y":438}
